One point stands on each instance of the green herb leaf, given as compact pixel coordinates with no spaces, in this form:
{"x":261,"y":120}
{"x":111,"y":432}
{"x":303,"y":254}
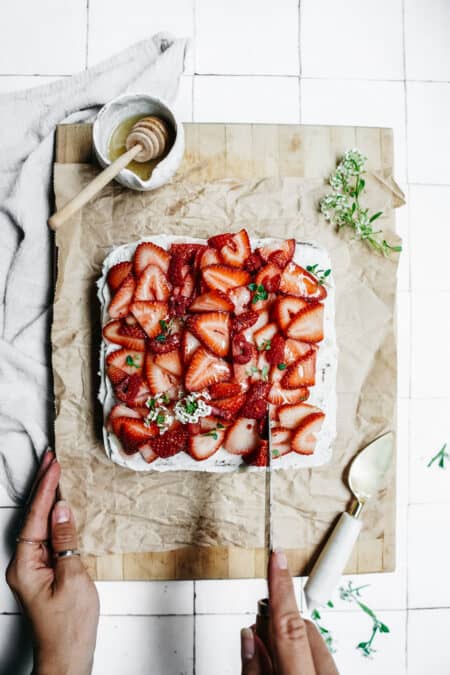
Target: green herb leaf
{"x":275,"y":452}
{"x":264,"y":345}
{"x":330,"y":604}
{"x":151,"y":403}
{"x":281,"y":366}
{"x":160,"y":338}
{"x":315,"y":616}
{"x":440,"y":457}
{"x":220,"y":426}
{"x":375,"y":216}
{"x":252,"y":287}
{"x":166,"y":398}
{"x":265,"y":373}
{"x":212,"y":433}
{"x":131,"y":362}
{"x":191,"y":407}
{"x":160,"y":419}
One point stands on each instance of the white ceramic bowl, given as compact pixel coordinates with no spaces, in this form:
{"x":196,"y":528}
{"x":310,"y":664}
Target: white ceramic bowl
{"x":123,"y":107}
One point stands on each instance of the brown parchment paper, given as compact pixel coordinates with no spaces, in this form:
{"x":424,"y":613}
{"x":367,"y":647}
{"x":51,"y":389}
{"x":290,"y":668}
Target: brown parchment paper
{"x":121,"y":511}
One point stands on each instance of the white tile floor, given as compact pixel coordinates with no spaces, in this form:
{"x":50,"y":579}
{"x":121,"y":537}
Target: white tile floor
{"x":377,"y":62}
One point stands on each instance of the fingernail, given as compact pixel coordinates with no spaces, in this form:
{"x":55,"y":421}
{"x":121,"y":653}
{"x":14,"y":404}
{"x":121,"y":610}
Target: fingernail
{"x":280,"y":559}
{"x":48,"y":449}
{"x":62,"y":512}
{"x":248,"y":644}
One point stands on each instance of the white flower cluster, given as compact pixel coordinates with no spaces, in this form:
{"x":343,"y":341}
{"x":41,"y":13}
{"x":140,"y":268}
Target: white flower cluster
{"x":159,"y":413}
{"x":192,"y":407}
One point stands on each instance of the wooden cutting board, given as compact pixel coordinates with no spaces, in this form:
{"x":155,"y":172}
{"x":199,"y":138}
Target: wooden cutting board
{"x":248,"y":151}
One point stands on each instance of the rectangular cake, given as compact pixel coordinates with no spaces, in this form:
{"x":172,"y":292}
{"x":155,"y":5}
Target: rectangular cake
{"x":202,"y":338}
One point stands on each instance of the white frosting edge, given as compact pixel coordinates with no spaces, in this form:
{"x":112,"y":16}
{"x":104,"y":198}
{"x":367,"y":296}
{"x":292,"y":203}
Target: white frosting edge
{"x":322,"y":395}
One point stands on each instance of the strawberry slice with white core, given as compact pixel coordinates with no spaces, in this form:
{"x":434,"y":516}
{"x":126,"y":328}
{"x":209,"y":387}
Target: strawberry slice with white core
{"x":210,"y":257}
{"x":237,"y":249}
{"x":204,"y":445}
{"x":304,"y":440}
{"x":112,"y":332}
{"x":152,"y":285}
{"x":280,"y":441}
{"x":290,"y":416}
{"x":242,"y":437}
{"x":206,"y":369}
{"x":241,"y":298}
{"x":242,"y":372}
{"x":120,"y":410}
{"x":295,"y":280}
{"x":117,"y":274}
{"x":307,"y":325}
{"x":301,"y":373}
{"x":212,"y":422}
{"x":150,"y":254}
{"x":224,"y":277}
{"x":170,"y":361}
{"x":263,"y":336}
{"x":189,"y":344}
{"x":213,"y":330}
{"x":213,"y":301}
{"x":263,"y":319}
{"x":149,"y":314}
{"x":116,"y":375}
{"x":286,"y":246}
{"x":147,"y":452}
{"x":119,"y":305}
{"x":285,"y":309}
{"x":269,"y":276}
{"x":159,"y":380}
{"x":279,"y":396}
{"x":131,"y":362}
{"x":295,"y":349}
{"x":134,"y":433}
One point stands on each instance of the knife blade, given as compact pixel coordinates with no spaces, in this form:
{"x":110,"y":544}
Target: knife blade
{"x":268,"y":525}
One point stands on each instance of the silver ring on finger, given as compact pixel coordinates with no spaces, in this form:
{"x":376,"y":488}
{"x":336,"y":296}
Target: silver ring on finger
{"x":67,"y":553}
{"x":39,"y":542}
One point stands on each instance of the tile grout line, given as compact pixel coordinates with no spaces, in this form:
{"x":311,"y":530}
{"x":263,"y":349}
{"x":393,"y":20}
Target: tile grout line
{"x":194,"y":629}
{"x":86,"y":54}
{"x":299,"y":55}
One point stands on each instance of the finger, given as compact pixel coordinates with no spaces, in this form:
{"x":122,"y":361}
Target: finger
{"x":36,"y":520}
{"x":323,"y":661}
{"x":46,"y":459}
{"x":265,"y":662}
{"x":64,"y":538}
{"x":249,"y":655}
{"x":290,"y":645}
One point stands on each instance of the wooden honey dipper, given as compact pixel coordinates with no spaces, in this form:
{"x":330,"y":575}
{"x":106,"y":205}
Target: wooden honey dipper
{"x":147,"y":140}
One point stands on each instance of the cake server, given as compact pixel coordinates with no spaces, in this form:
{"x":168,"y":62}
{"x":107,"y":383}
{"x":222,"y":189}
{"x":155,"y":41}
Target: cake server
{"x":365,"y":479}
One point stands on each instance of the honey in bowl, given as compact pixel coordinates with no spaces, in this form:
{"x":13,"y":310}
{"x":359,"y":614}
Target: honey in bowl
{"x":117,"y":147}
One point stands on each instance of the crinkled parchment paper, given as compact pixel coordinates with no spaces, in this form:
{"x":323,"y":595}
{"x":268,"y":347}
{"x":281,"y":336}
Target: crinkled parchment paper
{"x":118,"y":510}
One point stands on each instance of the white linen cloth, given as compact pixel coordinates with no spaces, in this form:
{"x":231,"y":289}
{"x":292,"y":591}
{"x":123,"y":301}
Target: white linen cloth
{"x":27,"y":124}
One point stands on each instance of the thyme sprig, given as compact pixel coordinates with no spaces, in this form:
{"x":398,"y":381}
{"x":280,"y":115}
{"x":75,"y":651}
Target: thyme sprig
{"x":351,"y":594}
{"x":440,"y":457}
{"x":342,"y":207}
{"x":325,"y":633}
{"x":320,"y":274}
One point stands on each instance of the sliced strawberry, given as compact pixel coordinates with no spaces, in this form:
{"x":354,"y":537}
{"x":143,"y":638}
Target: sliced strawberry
{"x":134,"y":433}
{"x":189,"y":344}
{"x":147,"y":453}
{"x":149,"y":314}
{"x":265,"y":303}
{"x":213,"y":301}
{"x":285,"y":246}
{"x":222,"y":277}
{"x":187,"y":284}
{"x":263,"y":336}
{"x":242,"y":371}
{"x":236,"y":251}
{"x":295,"y":349}
{"x":117,"y":274}
{"x":150,"y":254}
{"x":120,"y":411}
{"x":244,"y":321}
{"x":278,"y":395}
{"x":206,"y":369}
{"x":118,"y":307}
{"x":211,"y":422}
{"x":307,"y":325}
{"x":263,"y":319}
{"x":269,"y":276}
{"x":152,"y":285}
{"x":256,"y":403}
{"x":164,"y":343}
{"x":202,"y":446}
{"x":170,"y":361}
{"x":193,"y":428}
{"x":295,"y":280}
{"x":290,"y":416}
{"x":197,"y":264}
{"x":280,"y":441}
{"x":275,"y":354}
{"x":159,"y":380}
{"x":227,"y":408}
{"x":213,"y":330}
{"x":131,"y":362}
{"x":241,"y":298}
{"x":301,"y":373}
{"x":304,"y":439}
{"x":219,"y":240}
{"x":131,"y":330}
{"x":259,"y":456}
{"x":179,"y":305}
{"x":116,"y":375}
{"x":186,"y":252}
{"x":284,"y":310}
{"x":113,"y":331}
{"x":242,"y":437}
{"x":224,"y":389}
{"x":243,"y":351}
{"x":253,"y":263}
{"x":210,"y":257}
{"x":170,"y":443}
{"x":128,"y":389}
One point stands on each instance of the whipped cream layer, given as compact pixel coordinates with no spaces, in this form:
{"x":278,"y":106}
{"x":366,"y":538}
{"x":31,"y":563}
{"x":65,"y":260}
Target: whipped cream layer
{"x":322,"y":395}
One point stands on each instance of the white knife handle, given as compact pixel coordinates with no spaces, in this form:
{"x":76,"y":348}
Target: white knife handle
{"x":331,"y":562}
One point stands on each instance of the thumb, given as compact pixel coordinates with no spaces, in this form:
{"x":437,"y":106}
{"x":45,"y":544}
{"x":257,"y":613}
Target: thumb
{"x":64,"y":538}
{"x":249,"y":655}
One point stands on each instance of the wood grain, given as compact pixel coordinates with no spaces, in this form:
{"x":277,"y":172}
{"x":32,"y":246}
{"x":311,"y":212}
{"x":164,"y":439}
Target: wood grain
{"x":216,"y":151}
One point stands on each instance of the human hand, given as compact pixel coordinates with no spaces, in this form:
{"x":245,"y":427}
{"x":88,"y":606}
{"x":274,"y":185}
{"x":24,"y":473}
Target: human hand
{"x":295,"y":646}
{"x":57,"y":595}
